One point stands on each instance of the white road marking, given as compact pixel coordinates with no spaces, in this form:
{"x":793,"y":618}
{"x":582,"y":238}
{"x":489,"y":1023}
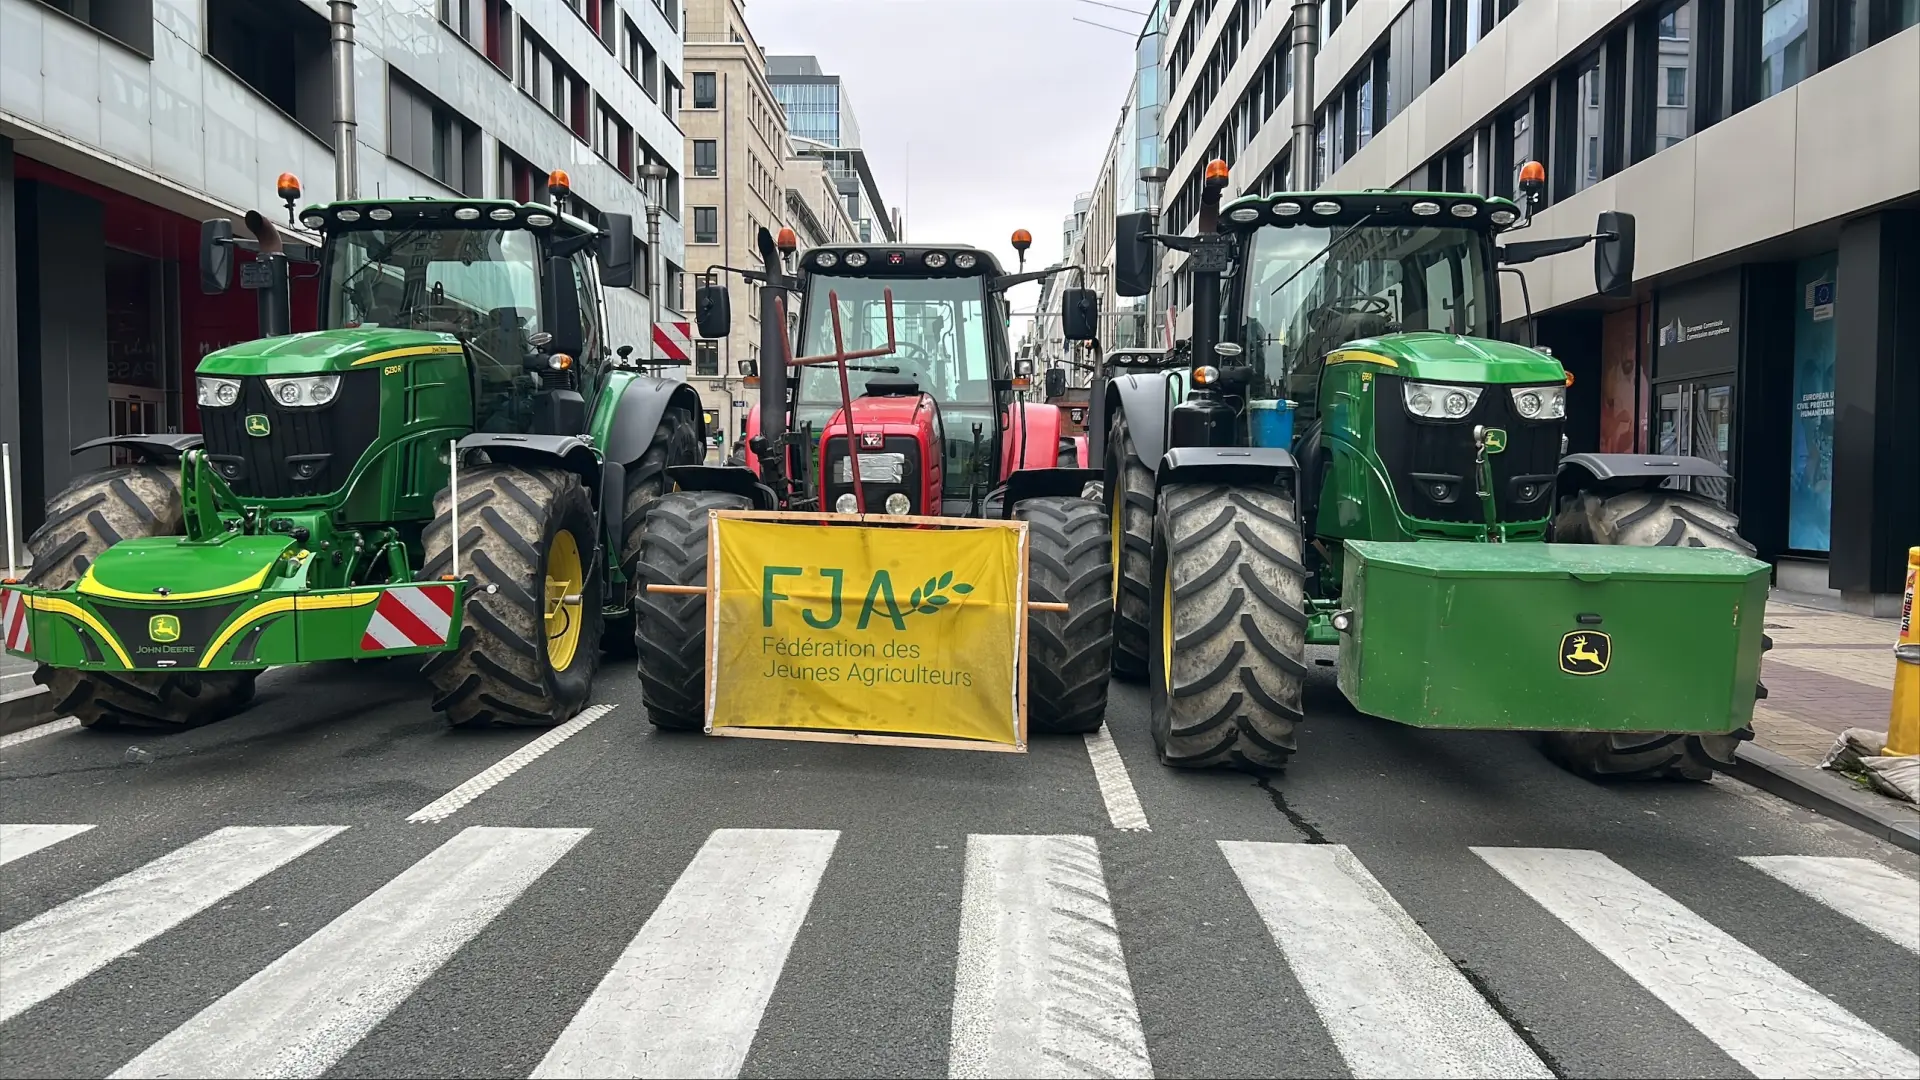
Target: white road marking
{"x":1123,"y":803}
{"x":1041,"y":986}
{"x":302,"y":1013}
{"x":1770,"y":1022}
{"x":443,"y":807}
{"x":1870,"y":894}
{"x":18,"y":737}
{"x":20,"y":841}
{"x":16,"y":675}
{"x":1393,"y":1002}
{"x":687,"y":994}
{"x":45,"y":955}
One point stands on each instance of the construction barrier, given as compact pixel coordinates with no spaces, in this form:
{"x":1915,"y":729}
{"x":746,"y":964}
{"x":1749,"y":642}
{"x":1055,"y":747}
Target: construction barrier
{"x":1903,"y":725}
{"x":867,"y":633}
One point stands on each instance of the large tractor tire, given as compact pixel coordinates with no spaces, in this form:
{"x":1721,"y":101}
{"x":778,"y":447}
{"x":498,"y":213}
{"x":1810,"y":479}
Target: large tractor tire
{"x":674,"y":443}
{"x":531,"y":638}
{"x":1657,"y":518}
{"x":1229,"y":648}
{"x":95,"y":512}
{"x":1130,"y":551}
{"x":671,"y":631}
{"x":1069,"y":656}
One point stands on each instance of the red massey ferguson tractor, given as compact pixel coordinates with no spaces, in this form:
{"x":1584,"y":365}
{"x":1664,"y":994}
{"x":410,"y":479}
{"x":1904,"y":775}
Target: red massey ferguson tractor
{"x":904,"y":347}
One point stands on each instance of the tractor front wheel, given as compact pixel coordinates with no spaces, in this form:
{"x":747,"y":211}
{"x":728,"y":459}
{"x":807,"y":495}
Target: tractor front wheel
{"x":670,"y":630}
{"x":1656,"y":518}
{"x":1130,"y":525}
{"x":98,"y":510}
{"x":531,"y":638}
{"x":1070,"y":656}
{"x":1229,"y":646}
{"x":674,"y":443}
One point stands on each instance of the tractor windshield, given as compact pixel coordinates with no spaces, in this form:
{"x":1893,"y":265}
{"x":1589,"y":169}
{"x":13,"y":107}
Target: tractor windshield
{"x":940,"y":330}
{"x":1375,"y":280}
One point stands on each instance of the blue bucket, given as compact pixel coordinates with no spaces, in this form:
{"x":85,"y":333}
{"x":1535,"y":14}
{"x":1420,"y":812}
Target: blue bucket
{"x":1272,"y":423}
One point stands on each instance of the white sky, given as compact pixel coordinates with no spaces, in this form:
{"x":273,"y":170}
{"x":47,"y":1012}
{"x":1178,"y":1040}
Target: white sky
{"x":1003,"y":108}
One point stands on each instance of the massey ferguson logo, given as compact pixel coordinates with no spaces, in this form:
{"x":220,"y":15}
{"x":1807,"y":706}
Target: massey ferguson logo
{"x":872,"y":440}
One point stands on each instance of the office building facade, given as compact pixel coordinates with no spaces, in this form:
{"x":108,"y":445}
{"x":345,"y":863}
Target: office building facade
{"x":822,"y":124}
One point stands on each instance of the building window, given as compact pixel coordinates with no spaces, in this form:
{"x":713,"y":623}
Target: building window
{"x":278,"y":48}
{"x":1586,"y":125}
{"x":519,"y":179}
{"x":706,"y":224}
{"x":706,"y":358}
{"x":706,"y":157}
{"x":1676,"y":95}
{"x":552,"y":83}
{"x":1783,"y":47}
{"x":613,"y":140}
{"x":427,"y":136}
{"x":706,"y":90}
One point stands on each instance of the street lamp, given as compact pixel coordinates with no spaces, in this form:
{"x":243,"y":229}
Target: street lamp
{"x":655,"y":176}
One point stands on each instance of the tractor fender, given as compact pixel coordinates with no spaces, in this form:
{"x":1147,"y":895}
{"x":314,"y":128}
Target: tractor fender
{"x":1615,"y":473}
{"x":636,"y":416}
{"x":731,"y":479}
{"x":1145,"y":398}
{"x":1032,"y":439}
{"x":1039,"y":483}
{"x":159,"y":449}
{"x":569,"y":452}
{"x":1263,"y":465}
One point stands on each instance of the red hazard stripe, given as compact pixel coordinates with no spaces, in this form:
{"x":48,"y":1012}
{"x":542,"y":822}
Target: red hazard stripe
{"x":406,"y":621}
{"x":441,"y":595}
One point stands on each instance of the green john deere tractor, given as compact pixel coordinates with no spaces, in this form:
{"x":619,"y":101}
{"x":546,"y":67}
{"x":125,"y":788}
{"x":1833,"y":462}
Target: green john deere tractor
{"x":314,"y":519}
{"x":1351,"y":458}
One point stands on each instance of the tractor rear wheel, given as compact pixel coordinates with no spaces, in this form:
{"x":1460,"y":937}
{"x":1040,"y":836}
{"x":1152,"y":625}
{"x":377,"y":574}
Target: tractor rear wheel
{"x":674,"y":443}
{"x":1069,"y":656}
{"x":96,"y":511}
{"x":1229,"y":648}
{"x":1656,"y":518}
{"x":531,"y":638}
{"x":1130,"y":525}
{"x":670,"y":631}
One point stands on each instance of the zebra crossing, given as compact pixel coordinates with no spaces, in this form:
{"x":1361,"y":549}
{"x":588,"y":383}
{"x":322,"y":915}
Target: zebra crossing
{"x":1042,"y":983}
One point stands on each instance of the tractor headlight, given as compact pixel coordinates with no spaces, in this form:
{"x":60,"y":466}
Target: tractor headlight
{"x":845,"y":504}
{"x":1540,"y":402}
{"x":216,"y":392}
{"x":898,"y":504}
{"x":304,"y":392}
{"x":1440,"y":401}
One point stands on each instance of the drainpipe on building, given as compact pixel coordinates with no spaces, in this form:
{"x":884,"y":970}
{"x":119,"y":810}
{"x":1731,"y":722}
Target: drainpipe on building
{"x":1305,"y":33}
{"x":346,"y":184}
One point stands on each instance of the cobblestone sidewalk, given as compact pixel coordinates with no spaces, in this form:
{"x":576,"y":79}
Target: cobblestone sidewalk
{"x":1828,"y":671}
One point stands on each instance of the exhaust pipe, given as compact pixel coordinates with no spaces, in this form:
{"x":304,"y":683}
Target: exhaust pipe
{"x":1305,"y":34}
{"x":345,"y":174}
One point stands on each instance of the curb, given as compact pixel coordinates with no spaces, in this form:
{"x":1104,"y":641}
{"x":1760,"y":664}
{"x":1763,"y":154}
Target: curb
{"x":22,"y":709}
{"x":1827,"y":795}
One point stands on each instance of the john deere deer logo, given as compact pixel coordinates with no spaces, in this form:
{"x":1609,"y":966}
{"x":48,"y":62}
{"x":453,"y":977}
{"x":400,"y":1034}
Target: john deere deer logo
{"x":1585,"y":652}
{"x":1496,"y":440}
{"x":163,"y":628}
{"x":258,"y":425}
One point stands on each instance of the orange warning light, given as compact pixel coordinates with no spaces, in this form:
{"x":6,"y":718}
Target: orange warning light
{"x":1216,"y":169}
{"x":1533,"y":173}
{"x":788,"y":240}
{"x":289,"y":186}
{"x":1022,"y":240}
{"x":558,"y":183}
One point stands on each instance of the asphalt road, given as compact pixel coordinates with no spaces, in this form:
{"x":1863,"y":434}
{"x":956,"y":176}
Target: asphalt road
{"x":252,"y":899}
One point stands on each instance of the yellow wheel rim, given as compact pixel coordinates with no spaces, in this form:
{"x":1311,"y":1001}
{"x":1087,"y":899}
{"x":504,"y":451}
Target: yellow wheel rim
{"x":566,"y":583}
{"x":1166,"y":630}
{"x":1119,"y":527}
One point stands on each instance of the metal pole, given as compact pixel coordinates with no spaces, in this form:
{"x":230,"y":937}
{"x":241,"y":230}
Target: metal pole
{"x":453,"y":496}
{"x":346,"y":184}
{"x":6,"y":475}
{"x":1305,"y":32}
{"x":653,"y":276}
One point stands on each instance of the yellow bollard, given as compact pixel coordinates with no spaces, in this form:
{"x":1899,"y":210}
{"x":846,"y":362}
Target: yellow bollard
{"x":1903,"y":727}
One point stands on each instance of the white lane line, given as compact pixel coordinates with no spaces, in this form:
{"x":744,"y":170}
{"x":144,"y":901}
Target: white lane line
{"x":687,"y":994}
{"x":1393,"y":1002}
{"x":16,"y":675}
{"x":20,"y":841}
{"x":1123,"y":803}
{"x":1870,"y":894}
{"x":18,"y":737}
{"x":1041,"y":987}
{"x":1770,"y":1022}
{"x":443,"y":807}
{"x":45,"y":955}
{"x":301,"y":1014}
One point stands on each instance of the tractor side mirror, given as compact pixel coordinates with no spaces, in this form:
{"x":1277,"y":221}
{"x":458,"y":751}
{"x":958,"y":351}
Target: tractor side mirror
{"x":216,"y":255}
{"x":1079,"y":314}
{"x":1134,"y":256}
{"x":616,"y":251}
{"x":1613,"y":254}
{"x":713,"y":310}
{"x":1056,"y":382}
{"x":562,"y":302}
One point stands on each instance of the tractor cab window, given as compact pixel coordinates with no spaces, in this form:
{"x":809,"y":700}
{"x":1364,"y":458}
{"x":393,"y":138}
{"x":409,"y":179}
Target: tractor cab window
{"x":482,"y":284}
{"x":1374,"y":281}
{"x":940,"y":334}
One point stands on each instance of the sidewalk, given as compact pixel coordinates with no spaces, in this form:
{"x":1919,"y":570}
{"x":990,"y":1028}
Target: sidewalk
{"x":1828,"y":671}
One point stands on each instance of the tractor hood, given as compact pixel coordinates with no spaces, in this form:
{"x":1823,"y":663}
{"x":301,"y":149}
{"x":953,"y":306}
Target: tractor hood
{"x":136,"y":570}
{"x":1451,"y":358}
{"x":324,"y":351}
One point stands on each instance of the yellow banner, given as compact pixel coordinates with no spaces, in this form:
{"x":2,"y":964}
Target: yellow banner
{"x":851,"y":628}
